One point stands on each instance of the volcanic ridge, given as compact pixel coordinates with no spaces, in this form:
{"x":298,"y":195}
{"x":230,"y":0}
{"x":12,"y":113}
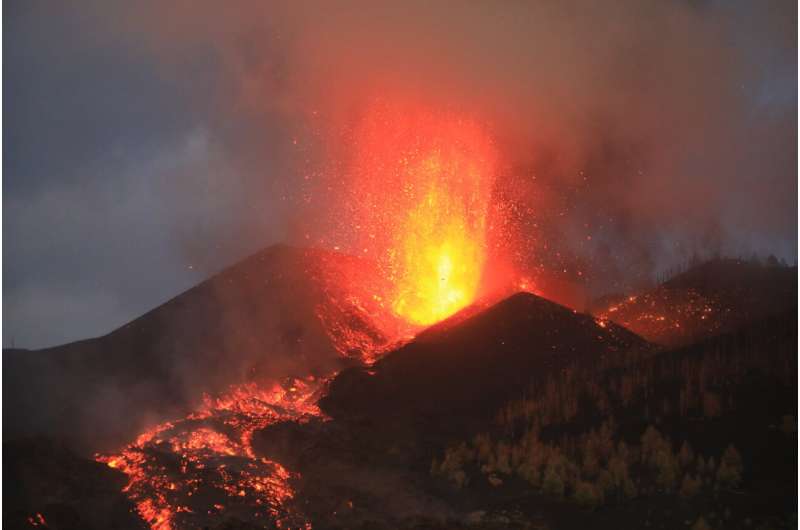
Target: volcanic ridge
{"x":524,"y":414}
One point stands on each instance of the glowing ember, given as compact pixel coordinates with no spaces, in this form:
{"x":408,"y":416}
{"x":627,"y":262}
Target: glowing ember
{"x":422,"y":182}
{"x":37,"y":520}
{"x":668,"y":316}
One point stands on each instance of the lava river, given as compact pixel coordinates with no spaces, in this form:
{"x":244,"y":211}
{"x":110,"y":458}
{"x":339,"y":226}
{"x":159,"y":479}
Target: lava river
{"x":184,"y":473}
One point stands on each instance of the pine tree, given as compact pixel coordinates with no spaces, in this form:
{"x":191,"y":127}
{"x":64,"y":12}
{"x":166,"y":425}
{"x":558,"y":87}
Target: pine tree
{"x":729,"y":474}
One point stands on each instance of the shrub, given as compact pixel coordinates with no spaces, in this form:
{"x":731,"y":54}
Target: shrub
{"x":623,"y":451}
{"x":451,"y":466}
{"x":711,"y":467}
{"x":685,"y":455}
{"x":652,"y":445}
{"x":529,"y":472}
{"x":700,"y":466}
{"x":591,"y":465}
{"x":701,"y":524}
{"x":483,"y":447}
{"x":629,"y":490}
{"x":518,"y":455}
{"x":435,"y":467}
{"x":690,"y":486}
{"x":729,"y":474}
{"x":503,"y":458}
{"x":459,"y":478}
{"x":605,"y":483}
{"x":666,"y":469}
{"x":553,"y":479}
{"x":618,"y":470}
{"x":587,"y":495}
{"x":605,"y":440}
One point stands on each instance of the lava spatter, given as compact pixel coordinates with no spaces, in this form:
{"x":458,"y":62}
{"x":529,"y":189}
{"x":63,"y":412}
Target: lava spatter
{"x":421,"y":183}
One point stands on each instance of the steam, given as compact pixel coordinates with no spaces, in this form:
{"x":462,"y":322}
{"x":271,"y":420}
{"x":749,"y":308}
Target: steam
{"x":637,"y":134}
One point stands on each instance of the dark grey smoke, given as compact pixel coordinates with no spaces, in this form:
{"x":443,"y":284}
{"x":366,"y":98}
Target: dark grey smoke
{"x":144,"y":139}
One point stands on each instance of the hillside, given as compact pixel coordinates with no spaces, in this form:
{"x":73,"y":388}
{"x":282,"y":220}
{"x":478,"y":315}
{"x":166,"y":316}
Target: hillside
{"x":707,"y":299}
{"x":482,"y":426}
{"x":523,"y":414}
{"x":473,"y":364}
{"x":281,"y":312}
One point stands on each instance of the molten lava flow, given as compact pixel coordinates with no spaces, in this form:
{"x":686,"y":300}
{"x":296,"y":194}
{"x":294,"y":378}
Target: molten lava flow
{"x":177,"y":470}
{"x":422,"y":182}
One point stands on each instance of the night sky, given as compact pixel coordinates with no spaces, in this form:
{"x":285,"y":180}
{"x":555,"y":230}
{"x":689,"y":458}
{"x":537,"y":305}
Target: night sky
{"x":147,"y":146}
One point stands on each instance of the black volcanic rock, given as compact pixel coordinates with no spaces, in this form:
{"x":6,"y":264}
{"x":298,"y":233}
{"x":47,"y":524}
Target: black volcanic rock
{"x":256,"y":319}
{"x":45,"y":479}
{"x":477,"y":363}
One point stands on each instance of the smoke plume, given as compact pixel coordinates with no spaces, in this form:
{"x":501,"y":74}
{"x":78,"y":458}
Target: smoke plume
{"x":633,"y":135}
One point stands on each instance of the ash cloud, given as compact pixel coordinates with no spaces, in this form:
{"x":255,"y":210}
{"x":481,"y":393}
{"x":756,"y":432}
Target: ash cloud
{"x":653,"y":129}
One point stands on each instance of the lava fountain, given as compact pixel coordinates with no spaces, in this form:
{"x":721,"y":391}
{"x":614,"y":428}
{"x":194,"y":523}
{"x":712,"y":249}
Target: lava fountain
{"x":421,"y":184}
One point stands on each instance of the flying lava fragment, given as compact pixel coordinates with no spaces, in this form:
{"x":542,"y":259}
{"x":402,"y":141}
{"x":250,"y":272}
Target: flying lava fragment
{"x":422,"y":181}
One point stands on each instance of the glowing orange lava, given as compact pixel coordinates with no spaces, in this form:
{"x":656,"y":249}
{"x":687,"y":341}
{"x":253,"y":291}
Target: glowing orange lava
{"x":422,"y":183}
{"x":176,"y":467}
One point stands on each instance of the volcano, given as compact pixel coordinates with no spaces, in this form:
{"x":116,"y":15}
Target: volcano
{"x":282,"y":312}
{"x":279,"y":393}
{"x":478,"y":363}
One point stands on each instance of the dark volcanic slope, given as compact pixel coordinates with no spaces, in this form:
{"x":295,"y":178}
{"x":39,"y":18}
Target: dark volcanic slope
{"x":708,"y":299}
{"x":369,"y":466}
{"x":477,"y":363}
{"x":258,"y":318}
{"x":48,"y":486}
{"x":402,"y":451}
